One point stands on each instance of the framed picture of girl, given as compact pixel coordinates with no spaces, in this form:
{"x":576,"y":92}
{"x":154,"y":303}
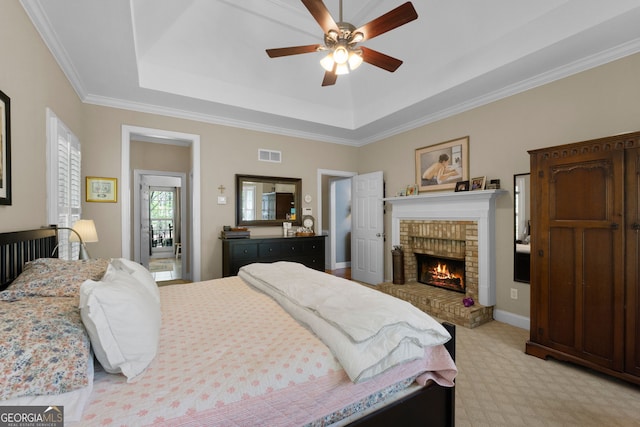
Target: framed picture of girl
{"x":441,"y":166}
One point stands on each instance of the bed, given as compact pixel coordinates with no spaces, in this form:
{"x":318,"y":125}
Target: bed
{"x":203,"y":371}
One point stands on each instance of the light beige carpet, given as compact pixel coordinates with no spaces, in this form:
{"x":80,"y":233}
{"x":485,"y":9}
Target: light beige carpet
{"x":499,"y":385}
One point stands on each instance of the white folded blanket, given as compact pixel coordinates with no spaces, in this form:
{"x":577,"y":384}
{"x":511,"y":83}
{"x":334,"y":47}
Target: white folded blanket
{"x":369,"y":332}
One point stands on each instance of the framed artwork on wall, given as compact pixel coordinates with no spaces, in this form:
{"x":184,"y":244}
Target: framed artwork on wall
{"x":102,"y":189}
{"x":5,"y":149}
{"x":441,"y":166}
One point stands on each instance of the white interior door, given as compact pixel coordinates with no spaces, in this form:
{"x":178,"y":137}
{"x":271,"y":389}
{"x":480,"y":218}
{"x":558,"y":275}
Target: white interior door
{"x":367,"y":232}
{"x":145,"y":228}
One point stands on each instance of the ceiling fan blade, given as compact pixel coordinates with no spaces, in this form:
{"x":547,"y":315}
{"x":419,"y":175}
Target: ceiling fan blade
{"x":321,"y":14}
{"x":379,"y":59}
{"x":330,"y":77}
{"x":390,"y":20}
{"x":293,"y":50}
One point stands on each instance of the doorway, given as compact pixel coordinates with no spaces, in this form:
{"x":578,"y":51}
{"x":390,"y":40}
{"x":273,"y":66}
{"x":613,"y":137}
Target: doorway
{"x":191,"y":235}
{"x":364,"y":225}
{"x":333,"y":217}
{"x":160,"y":213}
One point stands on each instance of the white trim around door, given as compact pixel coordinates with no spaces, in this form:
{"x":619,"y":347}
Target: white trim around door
{"x":159,"y":135}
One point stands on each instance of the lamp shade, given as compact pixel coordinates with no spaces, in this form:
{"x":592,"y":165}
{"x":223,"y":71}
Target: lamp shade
{"x":86,"y":228}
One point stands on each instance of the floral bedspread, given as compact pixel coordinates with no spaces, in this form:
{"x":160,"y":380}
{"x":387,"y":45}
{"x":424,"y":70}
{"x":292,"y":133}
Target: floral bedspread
{"x":57,"y":356}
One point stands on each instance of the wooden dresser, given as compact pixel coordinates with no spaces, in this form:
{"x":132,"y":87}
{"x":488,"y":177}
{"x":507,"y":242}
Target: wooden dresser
{"x":305,"y":250}
{"x":585,"y":248}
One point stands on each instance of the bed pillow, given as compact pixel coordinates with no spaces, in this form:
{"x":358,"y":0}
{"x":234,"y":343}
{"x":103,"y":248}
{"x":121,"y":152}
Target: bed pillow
{"x":54,"y":277}
{"x":123,"y":323}
{"x":138,"y":272}
{"x":44,"y":348}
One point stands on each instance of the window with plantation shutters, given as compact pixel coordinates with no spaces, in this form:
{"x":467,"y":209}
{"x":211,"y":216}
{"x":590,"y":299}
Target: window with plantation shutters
{"x":64,"y":184}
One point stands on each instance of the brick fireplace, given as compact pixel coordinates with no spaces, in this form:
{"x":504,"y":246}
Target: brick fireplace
{"x":451,"y":225}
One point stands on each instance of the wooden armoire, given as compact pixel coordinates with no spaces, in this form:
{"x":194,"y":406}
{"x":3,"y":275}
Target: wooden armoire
{"x":585,"y":254}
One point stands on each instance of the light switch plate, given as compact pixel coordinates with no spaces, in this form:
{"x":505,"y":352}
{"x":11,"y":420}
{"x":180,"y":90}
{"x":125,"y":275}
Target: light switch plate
{"x":222,"y":200}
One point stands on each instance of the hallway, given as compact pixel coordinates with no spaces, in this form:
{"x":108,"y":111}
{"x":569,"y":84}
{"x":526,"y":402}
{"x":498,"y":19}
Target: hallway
{"x":163,"y":269}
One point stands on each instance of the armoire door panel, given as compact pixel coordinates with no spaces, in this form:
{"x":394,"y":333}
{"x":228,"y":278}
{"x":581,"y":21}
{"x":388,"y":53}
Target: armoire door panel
{"x":632,"y":256}
{"x":561,"y":284}
{"x":580,"y":191}
{"x":598,"y":293}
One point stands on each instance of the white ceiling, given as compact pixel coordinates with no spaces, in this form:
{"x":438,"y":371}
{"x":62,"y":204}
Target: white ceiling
{"x":205,"y":59}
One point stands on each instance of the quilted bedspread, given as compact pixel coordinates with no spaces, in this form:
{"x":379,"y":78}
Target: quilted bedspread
{"x":229,"y":355}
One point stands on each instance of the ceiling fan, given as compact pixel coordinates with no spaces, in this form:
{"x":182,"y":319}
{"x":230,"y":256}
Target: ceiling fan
{"x":341,"y":40}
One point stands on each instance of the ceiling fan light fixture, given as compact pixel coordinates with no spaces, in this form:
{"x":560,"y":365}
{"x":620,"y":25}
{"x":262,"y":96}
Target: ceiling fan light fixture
{"x":357,"y":37}
{"x":342,"y":69}
{"x":355,"y":60}
{"x":327,"y":62}
{"x":341,"y":55}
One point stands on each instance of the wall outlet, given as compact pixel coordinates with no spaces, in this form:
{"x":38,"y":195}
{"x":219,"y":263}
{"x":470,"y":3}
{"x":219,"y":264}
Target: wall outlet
{"x":514,"y":293}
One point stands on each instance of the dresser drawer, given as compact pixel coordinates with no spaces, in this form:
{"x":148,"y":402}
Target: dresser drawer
{"x":270,"y":249}
{"x":291,"y":248}
{"x":313,"y":247}
{"x":246,"y":251}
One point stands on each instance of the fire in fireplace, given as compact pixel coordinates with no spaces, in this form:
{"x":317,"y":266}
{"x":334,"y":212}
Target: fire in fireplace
{"x":447,"y":273}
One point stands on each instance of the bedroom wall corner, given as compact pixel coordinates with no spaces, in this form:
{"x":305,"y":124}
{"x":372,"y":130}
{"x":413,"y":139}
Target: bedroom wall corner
{"x":32,"y":79}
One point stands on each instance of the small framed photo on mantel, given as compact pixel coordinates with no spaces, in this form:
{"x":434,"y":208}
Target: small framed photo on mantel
{"x":478,"y":183}
{"x":103,"y":190}
{"x":462,"y":186}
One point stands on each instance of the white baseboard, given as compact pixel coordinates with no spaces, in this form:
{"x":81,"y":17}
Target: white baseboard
{"x":512,"y":319}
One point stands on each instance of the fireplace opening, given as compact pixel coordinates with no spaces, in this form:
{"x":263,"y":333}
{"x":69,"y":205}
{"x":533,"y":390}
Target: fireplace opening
{"x":442,"y":272}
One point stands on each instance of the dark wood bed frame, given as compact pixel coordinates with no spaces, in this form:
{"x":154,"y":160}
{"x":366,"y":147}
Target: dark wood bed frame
{"x":432,"y":405}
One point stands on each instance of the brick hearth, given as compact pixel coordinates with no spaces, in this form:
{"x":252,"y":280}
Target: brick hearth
{"x":452,"y":239}
{"x":476,"y":211}
{"x":440,"y":303}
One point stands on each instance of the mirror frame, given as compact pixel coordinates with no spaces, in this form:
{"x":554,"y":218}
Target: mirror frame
{"x":516,"y":276}
{"x":297,"y":200}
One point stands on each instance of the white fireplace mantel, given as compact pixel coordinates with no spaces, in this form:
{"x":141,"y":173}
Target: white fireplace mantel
{"x":464,"y":206}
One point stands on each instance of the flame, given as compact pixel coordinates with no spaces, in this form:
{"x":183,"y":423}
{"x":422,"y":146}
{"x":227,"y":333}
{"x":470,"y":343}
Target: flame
{"x":441,"y":271}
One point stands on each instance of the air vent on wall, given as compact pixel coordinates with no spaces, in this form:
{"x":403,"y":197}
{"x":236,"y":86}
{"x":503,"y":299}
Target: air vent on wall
{"x":269,"y":155}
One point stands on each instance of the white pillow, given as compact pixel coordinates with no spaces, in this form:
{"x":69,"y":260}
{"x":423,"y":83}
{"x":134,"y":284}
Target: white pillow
{"x":123,"y":323}
{"x":140,"y":273}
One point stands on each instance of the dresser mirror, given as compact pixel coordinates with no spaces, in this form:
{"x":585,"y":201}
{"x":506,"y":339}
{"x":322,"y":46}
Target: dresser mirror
{"x":522,"y":223}
{"x":268,"y":200}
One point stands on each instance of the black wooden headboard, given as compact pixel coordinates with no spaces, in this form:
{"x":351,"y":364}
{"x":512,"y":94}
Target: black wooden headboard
{"x":18,"y":247}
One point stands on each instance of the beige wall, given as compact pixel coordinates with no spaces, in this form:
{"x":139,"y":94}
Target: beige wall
{"x":224,"y":151}
{"x":599,"y":102}
{"x":32,"y":79}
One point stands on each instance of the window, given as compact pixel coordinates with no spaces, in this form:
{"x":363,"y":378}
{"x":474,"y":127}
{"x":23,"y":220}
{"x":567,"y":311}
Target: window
{"x":161,"y":216}
{"x":249,"y":202}
{"x":64,"y":187}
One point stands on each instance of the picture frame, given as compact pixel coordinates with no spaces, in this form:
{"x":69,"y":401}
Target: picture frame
{"x":412,"y":190}
{"x":478,"y":183}
{"x":442,"y":166}
{"x":5,"y":149}
{"x":103,"y":190}
{"x":462,"y":186}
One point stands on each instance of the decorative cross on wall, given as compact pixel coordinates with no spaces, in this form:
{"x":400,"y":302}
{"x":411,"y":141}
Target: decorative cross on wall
{"x":222,"y":188}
